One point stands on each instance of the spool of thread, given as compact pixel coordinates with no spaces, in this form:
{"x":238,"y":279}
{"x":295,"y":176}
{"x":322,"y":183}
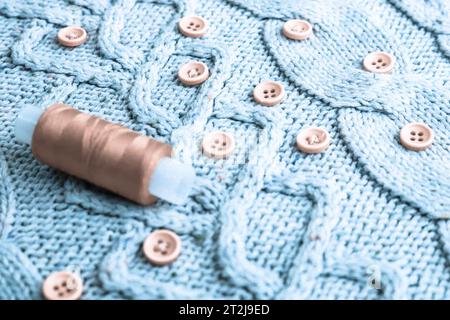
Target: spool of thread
{"x":108,"y":155}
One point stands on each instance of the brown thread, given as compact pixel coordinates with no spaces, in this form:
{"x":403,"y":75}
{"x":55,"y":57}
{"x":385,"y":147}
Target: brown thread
{"x":105,"y":154}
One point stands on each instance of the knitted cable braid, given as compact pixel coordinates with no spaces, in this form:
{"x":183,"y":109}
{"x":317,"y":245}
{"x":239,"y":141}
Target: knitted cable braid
{"x":269,"y":221}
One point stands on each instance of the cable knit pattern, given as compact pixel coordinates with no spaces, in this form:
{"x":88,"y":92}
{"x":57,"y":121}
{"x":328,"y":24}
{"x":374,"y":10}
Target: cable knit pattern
{"x":365,"y":219}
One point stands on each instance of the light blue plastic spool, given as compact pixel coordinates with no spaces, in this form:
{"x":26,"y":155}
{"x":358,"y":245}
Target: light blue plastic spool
{"x":171,"y":180}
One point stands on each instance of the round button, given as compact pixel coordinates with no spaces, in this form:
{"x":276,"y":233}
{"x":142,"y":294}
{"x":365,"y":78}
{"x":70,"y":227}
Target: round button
{"x":162,"y":247}
{"x":379,"y":62}
{"x":297,"y":29}
{"x":269,"y":93}
{"x":72,"y":36}
{"x":193,"y":26}
{"x":62,"y":285}
{"x":193,"y":73}
{"x":313,"y":140}
{"x":416,"y":136}
{"x":218,"y":145}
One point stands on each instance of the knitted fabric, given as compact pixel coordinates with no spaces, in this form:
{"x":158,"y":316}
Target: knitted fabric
{"x":269,"y":222}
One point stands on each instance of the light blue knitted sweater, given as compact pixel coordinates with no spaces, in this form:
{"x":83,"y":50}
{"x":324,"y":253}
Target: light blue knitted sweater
{"x":269,"y":222}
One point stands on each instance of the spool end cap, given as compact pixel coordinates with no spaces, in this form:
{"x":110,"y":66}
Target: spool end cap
{"x":172,"y":181}
{"x":26,"y":122}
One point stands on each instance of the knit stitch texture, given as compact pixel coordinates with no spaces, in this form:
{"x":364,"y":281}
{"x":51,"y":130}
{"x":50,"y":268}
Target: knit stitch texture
{"x":269,"y":222}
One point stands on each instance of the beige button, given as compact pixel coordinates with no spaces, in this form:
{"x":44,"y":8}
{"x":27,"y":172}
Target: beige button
{"x":416,"y":136}
{"x":162,"y":247}
{"x":193,"y":73}
{"x":62,"y":285}
{"x":297,"y":29}
{"x":269,"y":93}
{"x":72,"y":36}
{"x":218,"y":144}
{"x":193,"y":26}
{"x":379,"y":62}
{"x":313,"y":140}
